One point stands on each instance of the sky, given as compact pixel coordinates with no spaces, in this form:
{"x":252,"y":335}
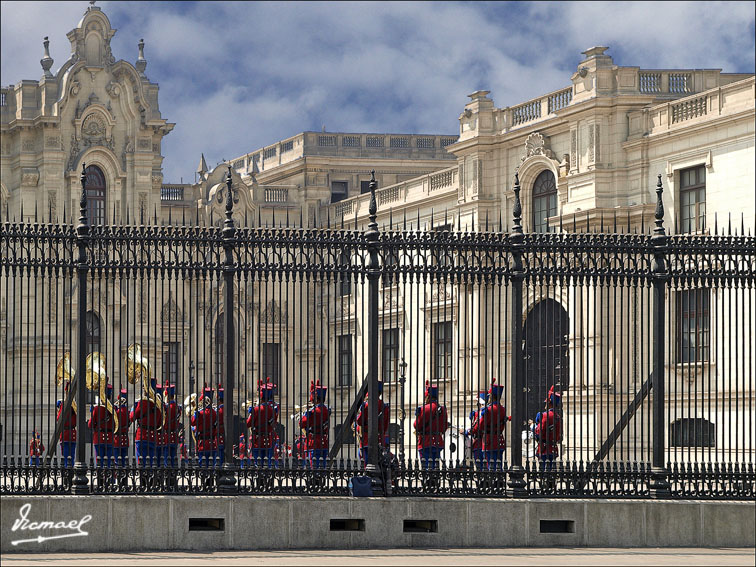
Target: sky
{"x":236,"y":76}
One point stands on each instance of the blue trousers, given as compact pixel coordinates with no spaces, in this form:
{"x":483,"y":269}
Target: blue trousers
{"x":243,"y":463}
{"x":220,"y":455}
{"x":145,"y":453}
{"x":33,"y":461}
{"x":170,"y":455}
{"x":477,"y":455}
{"x":317,"y":458}
{"x":429,"y":457}
{"x":104,"y":452}
{"x":121,"y":456}
{"x":547,"y":462}
{"x":159,"y":452}
{"x":206,"y":458}
{"x":68,"y":450}
{"x":263,"y":457}
{"x":493,"y":459}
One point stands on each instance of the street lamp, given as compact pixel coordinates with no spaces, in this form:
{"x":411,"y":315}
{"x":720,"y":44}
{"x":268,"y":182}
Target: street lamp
{"x":402,"y":380}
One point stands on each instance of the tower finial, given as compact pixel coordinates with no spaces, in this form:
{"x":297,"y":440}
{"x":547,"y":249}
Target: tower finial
{"x":141,"y":62}
{"x":46,"y":60}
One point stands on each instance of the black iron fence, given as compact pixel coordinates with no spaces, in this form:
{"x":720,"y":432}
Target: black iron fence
{"x":624,"y":358}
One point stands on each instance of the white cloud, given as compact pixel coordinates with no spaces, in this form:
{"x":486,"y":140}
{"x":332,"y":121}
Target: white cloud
{"x":235,"y":76}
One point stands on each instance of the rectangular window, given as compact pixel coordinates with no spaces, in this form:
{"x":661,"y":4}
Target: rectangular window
{"x":693,"y":199}
{"x":442,"y":350}
{"x":170,"y":362}
{"x":441,"y":255}
{"x":338,"y":191}
{"x":390,"y":354}
{"x":272,"y":362}
{"x":544,"y":207}
{"x":693,"y":325}
{"x":345,"y":282}
{"x":364,"y":187}
{"x":345,"y":360}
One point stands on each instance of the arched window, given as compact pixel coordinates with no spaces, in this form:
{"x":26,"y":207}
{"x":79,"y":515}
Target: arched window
{"x":544,"y":201}
{"x":94,"y":332}
{"x":95,"y":195}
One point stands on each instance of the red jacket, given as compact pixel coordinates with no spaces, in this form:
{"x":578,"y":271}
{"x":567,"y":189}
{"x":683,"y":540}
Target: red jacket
{"x":69,"y":426}
{"x":548,"y":431}
{"x":431,"y":423}
{"x":262,"y":423}
{"x":220,"y":431}
{"x":172,"y":426}
{"x":36,"y":447}
{"x":102,"y":425}
{"x":205,"y":423}
{"x":121,"y":437}
{"x":476,"y":441}
{"x":241,"y":450}
{"x":147,"y":414}
{"x":315,"y":423}
{"x":383,"y":422}
{"x":489,"y":427}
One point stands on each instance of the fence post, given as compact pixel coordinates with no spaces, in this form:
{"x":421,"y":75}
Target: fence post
{"x":659,"y":474}
{"x":516,"y":483}
{"x":80,"y":481}
{"x":227,"y":477}
{"x":373,"y":468}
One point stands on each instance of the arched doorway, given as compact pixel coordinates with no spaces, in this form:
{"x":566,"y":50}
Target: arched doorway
{"x":95,"y":195}
{"x":547,"y":352}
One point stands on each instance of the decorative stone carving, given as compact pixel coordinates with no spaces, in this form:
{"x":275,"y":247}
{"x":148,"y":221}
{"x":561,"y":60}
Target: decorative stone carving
{"x":29,"y":176}
{"x":93,"y":126}
{"x":272,"y":314}
{"x":573,"y":149}
{"x":144,"y":144}
{"x":171,"y":313}
{"x":157,"y":180}
{"x":52,"y":142}
{"x":537,"y":145}
{"x":28,"y":146}
{"x":73,"y":153}
{"x":113,"y":89}
{"x":75,"y":87}
{"x":155,"y":148}
{"x":52,"y":205}
{"x":564,"y":166}
{"x":142,"y":205}
{"x":129,"y":146}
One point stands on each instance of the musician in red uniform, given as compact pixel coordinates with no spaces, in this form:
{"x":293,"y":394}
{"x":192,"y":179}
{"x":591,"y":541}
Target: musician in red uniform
{"x":102,"y":425}
{"x":490,"y":427}
{"x":121,"y":437}
{"x":476,"y":442}
{"x":315,"y":422}
{"x":149,"y":417}
{"x":205,"y":423}
{"x":220,"y":431}
{"x":160,"y":431}
{"x":68,"y":434}
{"x":361,"y":423}
{"x":171,"y":427}
{"x":548,"y":430}
{"x":241,"y":452}
{"x":430,"y":425}
{"x":262,"y":420}
{"x":36,"y":448}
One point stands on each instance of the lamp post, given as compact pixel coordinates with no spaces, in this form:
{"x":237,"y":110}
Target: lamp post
{"x":402,"y":380}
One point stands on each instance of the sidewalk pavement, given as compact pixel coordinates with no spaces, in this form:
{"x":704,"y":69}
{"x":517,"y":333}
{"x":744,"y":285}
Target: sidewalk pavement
{"x":437,"y":557}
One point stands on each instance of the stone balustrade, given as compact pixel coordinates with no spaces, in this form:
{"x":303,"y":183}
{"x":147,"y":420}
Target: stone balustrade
{"x":276,"y":194}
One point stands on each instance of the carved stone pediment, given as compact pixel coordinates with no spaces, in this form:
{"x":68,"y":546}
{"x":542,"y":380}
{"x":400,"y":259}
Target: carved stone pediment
{"x":537,"y":145}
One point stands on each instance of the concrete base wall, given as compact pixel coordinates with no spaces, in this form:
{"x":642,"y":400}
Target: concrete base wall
{"x":127,"y":523}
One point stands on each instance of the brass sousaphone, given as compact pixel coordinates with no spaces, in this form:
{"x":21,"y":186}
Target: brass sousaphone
{"x":97,"y":380}
{"x":139,"y":368}
{"x":64,"y":374}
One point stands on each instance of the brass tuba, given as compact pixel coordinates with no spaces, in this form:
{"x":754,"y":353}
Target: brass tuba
{"x":190,"y":404}
{"x":64,"y":374}
{"x":138,"y":367}
{"x":97,"y":380}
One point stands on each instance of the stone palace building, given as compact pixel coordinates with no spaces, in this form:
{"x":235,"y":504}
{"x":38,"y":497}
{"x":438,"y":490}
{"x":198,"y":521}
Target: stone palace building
{"x":587,"y":155}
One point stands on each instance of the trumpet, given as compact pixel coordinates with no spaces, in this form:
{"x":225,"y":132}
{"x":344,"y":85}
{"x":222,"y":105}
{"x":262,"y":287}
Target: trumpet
{"x":65,"y":374}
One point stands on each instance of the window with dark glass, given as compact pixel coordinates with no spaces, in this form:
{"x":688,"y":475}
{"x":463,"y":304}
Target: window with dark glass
{"x":390,"y":354}
{"x":693,"y":199}
{"x":544,"y":201}
{"x":338,"y":191}
{"x":693,"y":325}
{"x":95,"y":190}
{"x":170,"y":361}
{"x":345,"y":360}
{"x":442,"y":255}
{"x":364,"y":187}
{"x":272,"y":362}
{"x":442,"y":350}
{"x":692,"y":432}
{"x":94,"y":332}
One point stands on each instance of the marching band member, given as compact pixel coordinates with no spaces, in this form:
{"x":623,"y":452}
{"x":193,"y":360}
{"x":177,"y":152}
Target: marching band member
{"x":490,"y":427}
{"x":146,"y":412}
{"x":315,"y":422}
{"x":205,"y":422}
{"x":241,"y":451}
{"x":36,"y":447}
{"x":361,"y":423}
{"x":102,"y":425}
{"x":262,"y":420}
{"x":172,"y":426}
{"x":430,"y":424}
{"x":548,"y":430}
{"x":220,"y":431}
{"x":68,"y":435}
{"x":476,"y":442}
{"x":160,"y":433}
{"x":121,"y":437}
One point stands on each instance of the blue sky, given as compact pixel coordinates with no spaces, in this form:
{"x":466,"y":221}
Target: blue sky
{"x":235,"y":76}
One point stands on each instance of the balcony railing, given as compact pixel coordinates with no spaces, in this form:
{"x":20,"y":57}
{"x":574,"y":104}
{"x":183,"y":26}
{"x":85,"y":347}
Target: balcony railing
{"x":172,"y":193}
